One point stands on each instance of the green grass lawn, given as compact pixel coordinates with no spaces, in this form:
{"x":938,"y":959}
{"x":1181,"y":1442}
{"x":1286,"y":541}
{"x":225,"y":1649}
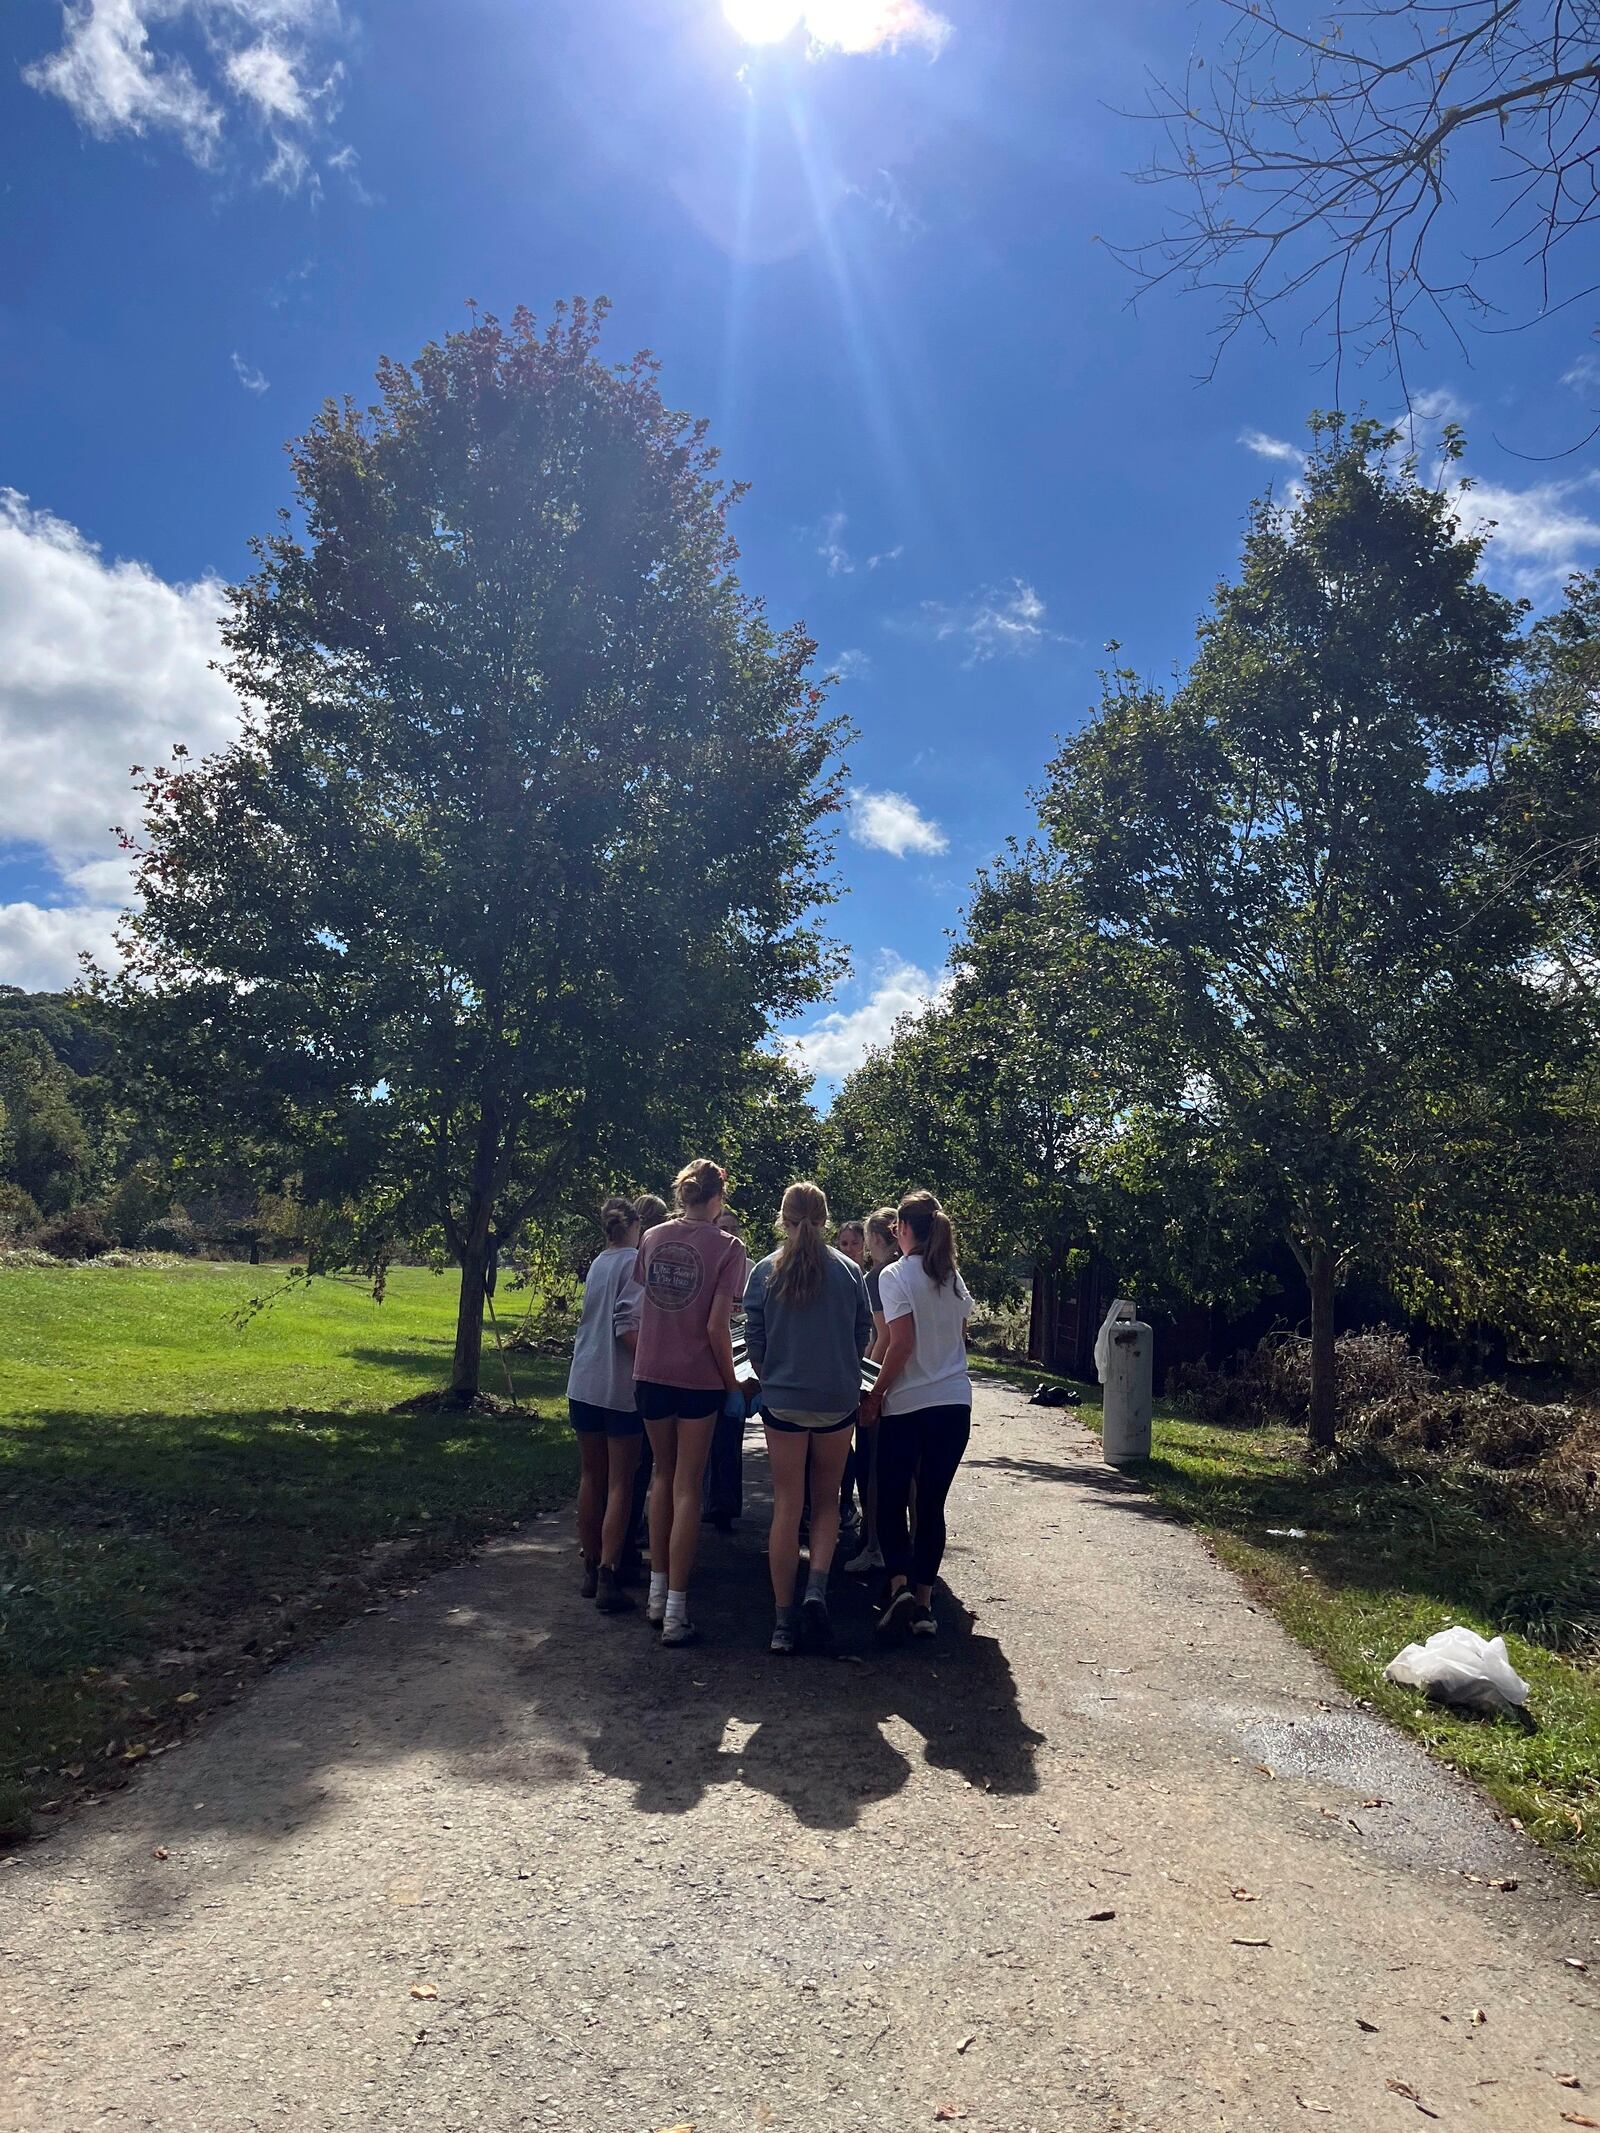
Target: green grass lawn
{"x":1393,"y":1552}
{"x":177,"y":1474}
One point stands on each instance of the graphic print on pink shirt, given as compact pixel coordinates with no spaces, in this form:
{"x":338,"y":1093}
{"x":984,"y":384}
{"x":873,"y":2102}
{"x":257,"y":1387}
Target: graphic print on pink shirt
{"x":682,"y":1267}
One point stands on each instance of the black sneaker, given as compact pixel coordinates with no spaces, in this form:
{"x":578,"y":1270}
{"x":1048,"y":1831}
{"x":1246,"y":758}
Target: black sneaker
{"x":923,"y":1623}
{"x":611,"y":1599}
{"x":897,"y":1613}
{"x":816,"y":1626}
{"x":591,"y":1578}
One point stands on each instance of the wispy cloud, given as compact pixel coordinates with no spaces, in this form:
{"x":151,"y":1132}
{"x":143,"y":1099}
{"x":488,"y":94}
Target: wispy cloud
{"x":889,"y":822}
{"x":1537,"y":536}
{"x":886,"y":198}
{"x":838,"y":1043}
{"x":874,"y":25}
{"x":852,"y":664}
{"x":1266,"y":447}
{"x":831,"y":544}
{"x":253,"y":380}
{"x":1584,"y":375}
{"x":887,"y":555}
{"x":1002,"y":622}
{"x":269,"y":68}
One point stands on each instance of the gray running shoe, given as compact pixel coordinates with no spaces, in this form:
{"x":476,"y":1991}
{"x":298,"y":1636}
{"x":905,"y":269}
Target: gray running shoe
{"x":782,"y":1638}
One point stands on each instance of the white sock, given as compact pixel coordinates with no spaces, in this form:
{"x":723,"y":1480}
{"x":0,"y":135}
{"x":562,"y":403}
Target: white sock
{"x":658,"y":1584}
{"x":677,"y":1607}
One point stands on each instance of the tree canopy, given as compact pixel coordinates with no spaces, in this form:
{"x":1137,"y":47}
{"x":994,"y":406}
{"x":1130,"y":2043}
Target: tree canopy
{"x":520,"y":845}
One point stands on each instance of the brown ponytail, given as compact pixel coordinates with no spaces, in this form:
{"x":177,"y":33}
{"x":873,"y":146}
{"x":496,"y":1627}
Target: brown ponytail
{"x":699,"y":1181}
{"x":936,"y":1240}
{"x":651,"y":1209}
{"x":617,"y":1217}
{"x":800,"y":1265}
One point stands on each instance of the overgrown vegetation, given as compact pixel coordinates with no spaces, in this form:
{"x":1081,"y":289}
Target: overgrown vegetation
{"x":189,"y":1486}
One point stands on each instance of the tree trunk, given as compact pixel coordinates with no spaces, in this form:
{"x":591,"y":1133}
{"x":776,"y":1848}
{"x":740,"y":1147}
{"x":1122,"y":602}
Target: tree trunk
{"x":469,"y":1324}
{"x":1323,"y":1419}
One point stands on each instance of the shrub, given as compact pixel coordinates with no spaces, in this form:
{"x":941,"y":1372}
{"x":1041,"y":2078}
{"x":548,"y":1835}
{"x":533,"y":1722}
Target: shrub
{"x":78,"y":1234}
{"x":19,"y":1213}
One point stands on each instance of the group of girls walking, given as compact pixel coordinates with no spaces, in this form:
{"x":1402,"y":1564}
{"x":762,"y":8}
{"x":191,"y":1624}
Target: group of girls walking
{"x":654,"y":1358}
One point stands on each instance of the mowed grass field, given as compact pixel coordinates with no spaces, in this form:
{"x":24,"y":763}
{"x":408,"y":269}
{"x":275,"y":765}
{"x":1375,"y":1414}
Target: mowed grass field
{"x":188,"y":1487}
{"x":1383,"y":1555}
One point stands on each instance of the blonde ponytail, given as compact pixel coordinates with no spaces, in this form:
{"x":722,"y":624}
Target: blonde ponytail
{"x":800,"y":1266}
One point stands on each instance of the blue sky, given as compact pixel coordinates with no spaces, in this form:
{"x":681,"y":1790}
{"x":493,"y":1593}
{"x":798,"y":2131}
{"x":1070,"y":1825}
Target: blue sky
{"x":867,"y":252}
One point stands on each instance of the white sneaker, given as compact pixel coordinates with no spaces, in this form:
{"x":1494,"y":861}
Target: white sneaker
{"x":868,"y":1560}
{"x":655,"y":1609}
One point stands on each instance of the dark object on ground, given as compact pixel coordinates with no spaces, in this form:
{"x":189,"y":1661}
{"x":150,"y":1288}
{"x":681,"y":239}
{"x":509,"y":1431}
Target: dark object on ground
{"x":612,"y":1599}
{"x":1044,"y":1395}
{"x":445,"y":1402}
{"x":817,"y":1627}
{"x":591,"y":1579}
{"x":79,"y":1234}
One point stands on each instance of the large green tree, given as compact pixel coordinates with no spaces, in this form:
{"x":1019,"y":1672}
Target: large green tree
{"x":1294,"y":848}
{"x":523,"y":835}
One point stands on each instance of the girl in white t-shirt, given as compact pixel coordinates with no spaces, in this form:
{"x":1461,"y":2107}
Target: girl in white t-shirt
{"x":922,"y":1405}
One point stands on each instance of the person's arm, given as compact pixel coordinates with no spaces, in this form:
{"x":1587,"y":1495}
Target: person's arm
{"x":880,"y":1338}
{"x":864,"y":1326}
{"x":625,"y":1314}
{"x":901,"y":1339}
{"x":719,"y":1333}
{"x":755,"y":1319}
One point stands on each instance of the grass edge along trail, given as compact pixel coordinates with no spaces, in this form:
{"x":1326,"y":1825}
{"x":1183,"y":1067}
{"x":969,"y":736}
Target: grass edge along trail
{"x":1390,"y":1555}
{"x":190,"y":1490}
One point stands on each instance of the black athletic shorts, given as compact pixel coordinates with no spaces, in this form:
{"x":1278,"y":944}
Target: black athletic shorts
{"x":798,"y":1429}
{"x":604,"y":1421}
{"x":659,"y":1403}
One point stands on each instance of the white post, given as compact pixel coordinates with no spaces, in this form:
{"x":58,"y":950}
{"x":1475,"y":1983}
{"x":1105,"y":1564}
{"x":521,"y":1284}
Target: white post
{"x":1124,"y":1355}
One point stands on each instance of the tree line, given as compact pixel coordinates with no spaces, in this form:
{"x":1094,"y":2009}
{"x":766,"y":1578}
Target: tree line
{"x":1306,"y":947}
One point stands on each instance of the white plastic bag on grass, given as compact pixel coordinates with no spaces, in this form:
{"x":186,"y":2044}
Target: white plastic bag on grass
{"x":1458,"y":1666}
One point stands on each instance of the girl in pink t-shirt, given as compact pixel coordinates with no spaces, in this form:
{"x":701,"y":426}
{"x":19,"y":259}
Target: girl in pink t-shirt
{"x":691,"y":1273}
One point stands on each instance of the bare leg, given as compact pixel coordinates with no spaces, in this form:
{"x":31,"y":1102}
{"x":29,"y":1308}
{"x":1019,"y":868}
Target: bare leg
{"x":664,"y":1448}
{"x":828,"y":1455}
{"x":693,"y":1447}
{"x":591,"y":1492}
{"x":622,"y":1458}
{"x":787,"y":1456}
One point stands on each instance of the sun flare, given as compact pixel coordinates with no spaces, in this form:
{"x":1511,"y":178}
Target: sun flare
{"x":763,"y":21}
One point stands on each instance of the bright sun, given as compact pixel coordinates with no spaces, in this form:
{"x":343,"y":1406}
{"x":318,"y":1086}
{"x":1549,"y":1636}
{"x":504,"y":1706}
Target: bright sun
{"x":763,"y":21}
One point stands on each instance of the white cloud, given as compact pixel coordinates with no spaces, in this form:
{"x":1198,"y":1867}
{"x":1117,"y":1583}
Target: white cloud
{"x":852,"y":665}
{"x":1537,"y":536}
{"x":1439,"y":405}
{"x":253,"y":380}
{"x":831,"y":545}
{"x":1001,"y":622}
{"x":889,"y":822}
{"x":1584,"y":374}
{"x":839,"y":1042}
{"x":266,"y":66}
{"x":102,"y":664}
{"x":1266,"y":447}
{"x":887,"y":555}
{"x":874,"y":25}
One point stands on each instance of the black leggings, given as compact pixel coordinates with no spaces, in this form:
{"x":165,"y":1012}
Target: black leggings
{"x":924,"y":1446}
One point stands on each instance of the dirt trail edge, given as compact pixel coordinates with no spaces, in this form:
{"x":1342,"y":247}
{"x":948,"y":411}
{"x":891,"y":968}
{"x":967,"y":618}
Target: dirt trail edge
{"x":1108,"y":1854}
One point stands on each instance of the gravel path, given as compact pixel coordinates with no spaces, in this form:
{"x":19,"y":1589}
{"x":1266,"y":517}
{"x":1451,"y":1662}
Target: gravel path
{"x":639,"y":1890}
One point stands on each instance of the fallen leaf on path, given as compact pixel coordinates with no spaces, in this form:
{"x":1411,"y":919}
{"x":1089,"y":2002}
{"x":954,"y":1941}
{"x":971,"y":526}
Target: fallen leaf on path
{"x":686,"y":2127}
{"x":1266,"y":1770}
{"x":1098,"y":1918}
{"x":1374,"y":1803}
{"x":967,"y":2041}
{"x":135,"y":1750}
{"x":764,"y":2114}
{"x":1245,"y":1896}
{"x":1371,"y":2028}
{"x":1505,"y":1886}
{"x":1479,"y":2017}
{"x":161,"y":1852}
{"x":1576,"y":2118}
{"x":947,"y":2111}
{"x":424,"y":1991}
{"x":1306,"y":2104}
{"x":1573,"y":1963}
{"x":1403,"y":2088}
{"x":190,"y":1696}
{"x":1568,"y":2081}
{"x":1238,"y":1943}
